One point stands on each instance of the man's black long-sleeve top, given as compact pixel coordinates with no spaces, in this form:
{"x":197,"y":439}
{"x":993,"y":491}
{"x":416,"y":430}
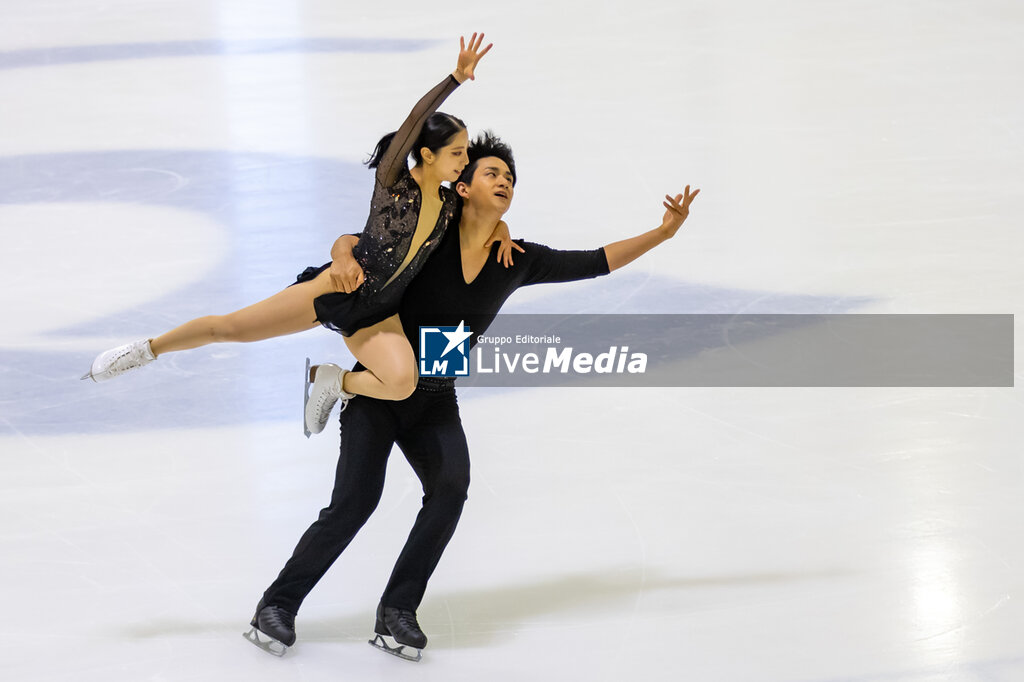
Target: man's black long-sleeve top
{"x":440,"y":295}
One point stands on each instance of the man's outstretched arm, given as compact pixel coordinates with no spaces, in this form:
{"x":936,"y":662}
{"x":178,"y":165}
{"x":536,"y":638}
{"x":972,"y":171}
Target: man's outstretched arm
{"x":626,"y":251}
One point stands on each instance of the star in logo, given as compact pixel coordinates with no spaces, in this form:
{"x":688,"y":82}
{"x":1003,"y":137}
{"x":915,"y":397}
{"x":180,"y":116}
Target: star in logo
{"x":455,"y":338}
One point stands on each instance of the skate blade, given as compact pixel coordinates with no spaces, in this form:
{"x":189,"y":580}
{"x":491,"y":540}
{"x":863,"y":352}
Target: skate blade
{"x":388,"y":644}
{"x":266,"y":642}
{"x":87,"y":375}
{"x":305,"y":401}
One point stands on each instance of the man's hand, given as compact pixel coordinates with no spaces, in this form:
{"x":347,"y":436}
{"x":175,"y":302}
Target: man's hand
{"x":623,"y":252}
{"x":678,"y":209}
{"x":346,"y":273}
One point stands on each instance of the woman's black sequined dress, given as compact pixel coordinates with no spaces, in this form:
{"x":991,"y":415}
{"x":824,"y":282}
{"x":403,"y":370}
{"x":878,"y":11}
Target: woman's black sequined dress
{"x":385,"y":241}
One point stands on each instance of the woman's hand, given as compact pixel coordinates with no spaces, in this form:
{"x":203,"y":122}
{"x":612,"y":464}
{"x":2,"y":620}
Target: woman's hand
{"x":678,"y":209}
{"x":502,"y":235}
{"x":469,"y":57}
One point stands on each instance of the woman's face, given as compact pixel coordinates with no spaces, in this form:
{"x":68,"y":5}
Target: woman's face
{"x":450,"y":159}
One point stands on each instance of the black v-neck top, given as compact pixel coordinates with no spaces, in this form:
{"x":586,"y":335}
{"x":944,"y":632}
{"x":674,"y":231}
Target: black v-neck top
{"x":440,"y":296}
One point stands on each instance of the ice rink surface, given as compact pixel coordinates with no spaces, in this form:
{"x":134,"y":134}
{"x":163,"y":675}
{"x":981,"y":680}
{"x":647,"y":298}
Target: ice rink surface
{"x":162,"y":160}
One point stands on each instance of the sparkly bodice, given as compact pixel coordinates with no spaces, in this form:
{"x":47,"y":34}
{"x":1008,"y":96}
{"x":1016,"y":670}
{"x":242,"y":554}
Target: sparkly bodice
{"x":385,"y":241}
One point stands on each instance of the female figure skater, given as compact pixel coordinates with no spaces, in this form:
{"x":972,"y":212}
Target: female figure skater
{"x":409,"y":212}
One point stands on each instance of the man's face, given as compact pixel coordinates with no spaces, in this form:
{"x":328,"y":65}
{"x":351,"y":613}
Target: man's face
{"x":491,"y":187}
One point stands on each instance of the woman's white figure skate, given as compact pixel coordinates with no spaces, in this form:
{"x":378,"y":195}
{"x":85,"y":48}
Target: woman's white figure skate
{"x":323,"y":390}
{"x":117,"y":361}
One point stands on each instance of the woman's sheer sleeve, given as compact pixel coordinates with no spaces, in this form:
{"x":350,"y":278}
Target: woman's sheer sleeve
{"x":394,"y":159}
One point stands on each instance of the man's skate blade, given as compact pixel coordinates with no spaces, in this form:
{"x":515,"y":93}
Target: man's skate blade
{"x":305,"y":400}
{"x":388,"y":644}
{"x":265,"y":642}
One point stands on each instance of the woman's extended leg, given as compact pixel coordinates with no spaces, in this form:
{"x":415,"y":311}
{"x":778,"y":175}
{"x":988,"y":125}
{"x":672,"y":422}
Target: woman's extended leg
{"x":286,"y":312}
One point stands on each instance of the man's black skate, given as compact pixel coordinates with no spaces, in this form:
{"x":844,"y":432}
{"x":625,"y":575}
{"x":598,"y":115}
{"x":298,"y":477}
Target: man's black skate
{"x":398,"y":633}
{"x":273,"y":629}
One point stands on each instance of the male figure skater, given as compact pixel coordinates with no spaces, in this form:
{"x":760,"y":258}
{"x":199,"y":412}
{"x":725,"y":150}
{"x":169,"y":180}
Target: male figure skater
{"x":461,"y":283}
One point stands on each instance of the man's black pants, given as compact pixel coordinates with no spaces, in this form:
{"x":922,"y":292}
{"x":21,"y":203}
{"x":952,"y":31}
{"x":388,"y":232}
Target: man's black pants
{"x":427,"y":427}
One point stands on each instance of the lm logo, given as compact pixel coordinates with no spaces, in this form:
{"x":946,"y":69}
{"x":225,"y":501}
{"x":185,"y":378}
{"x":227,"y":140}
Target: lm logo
{"x":444,"y":351}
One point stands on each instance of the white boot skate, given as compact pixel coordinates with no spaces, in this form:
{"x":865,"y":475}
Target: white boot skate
{"x":326,"y":381}
{"x":117,"y":361}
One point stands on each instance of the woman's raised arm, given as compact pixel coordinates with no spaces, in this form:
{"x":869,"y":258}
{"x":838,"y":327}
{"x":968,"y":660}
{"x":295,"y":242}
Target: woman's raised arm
{"x":394,"y":158}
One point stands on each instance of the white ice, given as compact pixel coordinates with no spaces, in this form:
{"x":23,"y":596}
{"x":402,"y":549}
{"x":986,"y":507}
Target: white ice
{"x":162,"y":160}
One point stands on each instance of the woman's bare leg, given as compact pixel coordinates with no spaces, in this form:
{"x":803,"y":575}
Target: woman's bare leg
{"x":286,"y":312}
{"x":381,"y":348}
{"x":388,"y":358}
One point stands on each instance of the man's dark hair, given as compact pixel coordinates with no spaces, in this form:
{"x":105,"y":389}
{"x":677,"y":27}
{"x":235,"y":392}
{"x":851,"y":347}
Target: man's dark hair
{"x":487,"y":144}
